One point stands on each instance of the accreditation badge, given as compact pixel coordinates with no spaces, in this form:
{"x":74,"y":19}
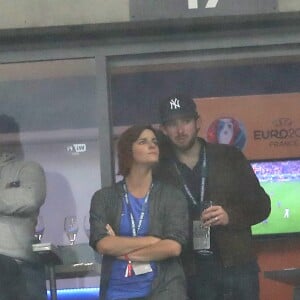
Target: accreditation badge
{"x":140,"y":268}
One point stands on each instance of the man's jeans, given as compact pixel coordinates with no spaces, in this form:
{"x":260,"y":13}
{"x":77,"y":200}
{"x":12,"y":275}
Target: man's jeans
{"x":214,"y":282}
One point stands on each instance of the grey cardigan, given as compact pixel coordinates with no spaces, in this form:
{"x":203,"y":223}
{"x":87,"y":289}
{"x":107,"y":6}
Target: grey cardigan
{"x":168,"y":220}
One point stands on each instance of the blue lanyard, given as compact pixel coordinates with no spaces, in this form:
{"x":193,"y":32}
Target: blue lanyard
{"x":135,"y":229}
{"x":202,"y":179}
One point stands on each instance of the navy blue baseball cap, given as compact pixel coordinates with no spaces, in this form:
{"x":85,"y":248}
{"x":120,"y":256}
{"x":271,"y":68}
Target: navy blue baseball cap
{"x":177,"y":107}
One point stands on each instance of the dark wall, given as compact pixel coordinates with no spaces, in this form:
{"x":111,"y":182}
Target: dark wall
{"x":135,"y":96}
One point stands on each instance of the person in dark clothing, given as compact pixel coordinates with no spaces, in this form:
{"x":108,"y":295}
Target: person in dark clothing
{"x":219,"y":174}
{"x":140,"y":226}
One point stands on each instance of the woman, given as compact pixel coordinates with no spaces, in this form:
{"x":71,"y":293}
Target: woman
{"x":140,"y":226}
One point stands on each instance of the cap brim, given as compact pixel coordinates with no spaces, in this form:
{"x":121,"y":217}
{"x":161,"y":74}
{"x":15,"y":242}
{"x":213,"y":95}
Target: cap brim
{"x":179,"y":115}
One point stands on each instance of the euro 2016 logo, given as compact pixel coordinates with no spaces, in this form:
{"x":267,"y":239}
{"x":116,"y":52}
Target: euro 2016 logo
{"x":227,"y":131}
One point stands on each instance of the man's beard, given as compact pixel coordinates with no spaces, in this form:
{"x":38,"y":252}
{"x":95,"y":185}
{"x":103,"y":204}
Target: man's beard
{"x":188,"y":146}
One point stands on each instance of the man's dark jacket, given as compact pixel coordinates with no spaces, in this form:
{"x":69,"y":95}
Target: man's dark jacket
{"x":232,"y":184}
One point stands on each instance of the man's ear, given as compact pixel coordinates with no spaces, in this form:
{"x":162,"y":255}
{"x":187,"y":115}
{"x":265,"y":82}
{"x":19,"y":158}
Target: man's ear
{"x":198,"y":124}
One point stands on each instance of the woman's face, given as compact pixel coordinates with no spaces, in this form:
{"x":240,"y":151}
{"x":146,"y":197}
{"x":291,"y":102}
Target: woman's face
{"x":145,"y":149}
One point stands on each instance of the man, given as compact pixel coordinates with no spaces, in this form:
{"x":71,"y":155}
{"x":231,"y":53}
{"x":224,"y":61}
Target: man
{"x":22,"y":192}
{"x":220,"y":174}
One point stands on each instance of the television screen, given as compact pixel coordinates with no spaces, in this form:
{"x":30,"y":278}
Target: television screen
{"x":281,"y":180}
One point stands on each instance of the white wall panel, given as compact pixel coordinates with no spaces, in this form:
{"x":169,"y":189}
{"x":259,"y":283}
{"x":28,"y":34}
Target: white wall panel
{"x":37,"y":13}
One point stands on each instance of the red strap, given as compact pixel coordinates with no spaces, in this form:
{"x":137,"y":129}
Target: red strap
{"x":129,"y":266}
{"x":129,"y":269}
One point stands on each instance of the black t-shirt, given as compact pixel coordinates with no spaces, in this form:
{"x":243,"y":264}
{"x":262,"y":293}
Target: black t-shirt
{"x":192,"y":178}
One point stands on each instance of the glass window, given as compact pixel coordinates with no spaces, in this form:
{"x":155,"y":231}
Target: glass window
{"x":54,"y":105}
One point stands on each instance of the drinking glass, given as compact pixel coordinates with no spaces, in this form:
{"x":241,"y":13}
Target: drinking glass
{"x":39,"y":229}
{"x":71,"y":228}
{"x":86,"y":225}
{"x":201,"y":234}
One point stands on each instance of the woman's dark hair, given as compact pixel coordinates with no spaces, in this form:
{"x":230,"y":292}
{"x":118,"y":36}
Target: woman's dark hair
{"x":126,"y":140}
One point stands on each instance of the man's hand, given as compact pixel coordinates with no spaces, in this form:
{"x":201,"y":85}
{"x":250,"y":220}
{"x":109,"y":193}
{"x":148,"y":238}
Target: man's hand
{"x":110,"y":231}
{"x":215,"y":215}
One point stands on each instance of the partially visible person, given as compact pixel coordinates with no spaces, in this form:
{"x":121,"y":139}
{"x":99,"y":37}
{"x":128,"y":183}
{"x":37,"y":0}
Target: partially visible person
{"x":140,"y":226}
{"x":219,"y":174}
{"x":22,"y":193}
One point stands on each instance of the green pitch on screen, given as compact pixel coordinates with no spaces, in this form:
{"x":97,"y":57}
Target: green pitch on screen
{"x":285,"y":208}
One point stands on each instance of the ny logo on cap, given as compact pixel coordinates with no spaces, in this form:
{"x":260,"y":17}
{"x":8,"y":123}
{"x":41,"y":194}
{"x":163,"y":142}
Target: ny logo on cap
{"x":174,"y":103}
